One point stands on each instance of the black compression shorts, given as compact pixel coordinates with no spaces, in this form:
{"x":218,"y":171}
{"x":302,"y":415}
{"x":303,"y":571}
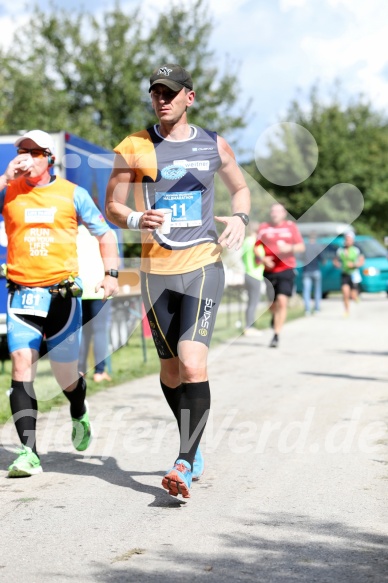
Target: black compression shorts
{"x":346,"y":279}
{"x":282,"y":282}
{"x":182,"y":307}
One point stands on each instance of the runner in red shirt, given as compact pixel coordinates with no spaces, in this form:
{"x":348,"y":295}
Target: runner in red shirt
{"x":281,"y":239}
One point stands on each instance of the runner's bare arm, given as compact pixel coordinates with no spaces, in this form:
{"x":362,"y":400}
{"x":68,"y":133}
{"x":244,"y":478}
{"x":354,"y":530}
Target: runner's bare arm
{"x":117,"y":192}
{"x":360,"y":260}
{"x":119,"y":186}
{"x":231,"y":175}
{"x":110,"y":258}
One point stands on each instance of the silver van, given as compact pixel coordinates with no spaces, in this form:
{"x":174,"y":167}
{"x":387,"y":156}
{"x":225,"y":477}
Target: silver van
{"x":324,"y":229}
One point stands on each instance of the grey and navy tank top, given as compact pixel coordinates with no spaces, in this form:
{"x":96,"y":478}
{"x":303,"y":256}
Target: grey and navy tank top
{"x":178,"y":175}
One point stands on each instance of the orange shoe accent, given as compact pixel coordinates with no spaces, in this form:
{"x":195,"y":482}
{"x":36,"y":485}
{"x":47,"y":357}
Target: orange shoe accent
{"x":98,"y":377}
{"x":174,"y":484}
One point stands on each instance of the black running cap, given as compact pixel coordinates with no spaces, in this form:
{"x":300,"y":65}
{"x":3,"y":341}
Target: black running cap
{"x":173,"y":76}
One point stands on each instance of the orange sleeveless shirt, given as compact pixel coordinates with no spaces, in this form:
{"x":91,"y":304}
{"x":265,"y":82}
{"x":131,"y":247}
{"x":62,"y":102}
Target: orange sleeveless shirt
{"x":41,"y":226}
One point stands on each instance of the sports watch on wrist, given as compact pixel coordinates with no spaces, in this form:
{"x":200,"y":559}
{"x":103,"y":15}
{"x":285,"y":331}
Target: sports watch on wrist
{"x":243,"y":217}
{"x":112,"y":272}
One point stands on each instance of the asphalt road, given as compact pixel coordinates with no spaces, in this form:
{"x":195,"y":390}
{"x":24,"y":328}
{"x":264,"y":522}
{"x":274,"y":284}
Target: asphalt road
{"x":295,"y":487}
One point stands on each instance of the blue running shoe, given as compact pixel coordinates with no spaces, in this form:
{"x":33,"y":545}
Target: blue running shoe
{"x":178,"y":479}
{"x":198,"y":465}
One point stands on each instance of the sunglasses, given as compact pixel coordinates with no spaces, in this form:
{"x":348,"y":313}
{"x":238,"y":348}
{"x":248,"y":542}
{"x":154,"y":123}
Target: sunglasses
{"x":35,"y":152}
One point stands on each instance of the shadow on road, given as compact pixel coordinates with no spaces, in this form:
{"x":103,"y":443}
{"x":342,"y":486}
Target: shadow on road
{"x":364,"y":352}
{"x":343,"y":376}
{"x":109,"y":471}
{"x":311,"y":551}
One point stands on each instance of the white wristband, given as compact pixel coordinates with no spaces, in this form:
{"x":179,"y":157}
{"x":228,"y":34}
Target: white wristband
{"x":133,"y":220}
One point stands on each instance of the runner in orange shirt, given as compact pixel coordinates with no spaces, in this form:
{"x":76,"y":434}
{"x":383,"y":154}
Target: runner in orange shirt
{"x":41,"y":214}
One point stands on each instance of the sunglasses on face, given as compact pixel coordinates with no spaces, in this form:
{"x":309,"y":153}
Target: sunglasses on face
{"x":34,"y":152}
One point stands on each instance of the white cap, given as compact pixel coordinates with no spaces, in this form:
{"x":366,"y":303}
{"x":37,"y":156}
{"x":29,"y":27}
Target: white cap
{"x":41,"y":139}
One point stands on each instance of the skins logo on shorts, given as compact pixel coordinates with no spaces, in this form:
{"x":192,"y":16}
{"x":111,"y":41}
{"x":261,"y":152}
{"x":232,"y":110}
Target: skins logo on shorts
{"x":202,"y":332}
{"x":207,"y":312}
{"x":173,"y":172}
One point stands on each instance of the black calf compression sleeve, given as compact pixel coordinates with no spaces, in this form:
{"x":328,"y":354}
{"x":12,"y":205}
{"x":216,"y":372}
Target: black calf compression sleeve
{"x":173,"y":397}
{"x":193,"y":413}
{"x":77,"y":399}
{"x":24,"y":409}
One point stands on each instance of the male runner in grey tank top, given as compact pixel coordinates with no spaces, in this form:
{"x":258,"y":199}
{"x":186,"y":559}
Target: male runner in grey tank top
{"x":172,"y":166}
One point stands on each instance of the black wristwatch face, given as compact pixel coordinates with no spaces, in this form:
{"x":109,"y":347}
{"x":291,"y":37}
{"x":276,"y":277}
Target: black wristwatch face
{"x":112,"y":272}
{"x":243,"y":217}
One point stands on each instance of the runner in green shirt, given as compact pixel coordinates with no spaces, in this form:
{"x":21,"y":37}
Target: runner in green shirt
{"x":253,"y":278}
{"x":349,"y":259}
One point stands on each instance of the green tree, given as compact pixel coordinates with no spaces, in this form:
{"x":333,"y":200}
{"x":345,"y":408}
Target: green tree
{"x":180,"y":36}
{"x":72,"y":71}
{"x":352,"y":144}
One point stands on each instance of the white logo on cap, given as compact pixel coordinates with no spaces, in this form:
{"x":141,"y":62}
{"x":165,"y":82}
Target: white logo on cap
{"x":164,"y":71}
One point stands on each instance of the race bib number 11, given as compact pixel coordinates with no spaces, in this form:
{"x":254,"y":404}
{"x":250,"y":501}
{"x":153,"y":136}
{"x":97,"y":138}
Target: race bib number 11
{"x":186,"y":207}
